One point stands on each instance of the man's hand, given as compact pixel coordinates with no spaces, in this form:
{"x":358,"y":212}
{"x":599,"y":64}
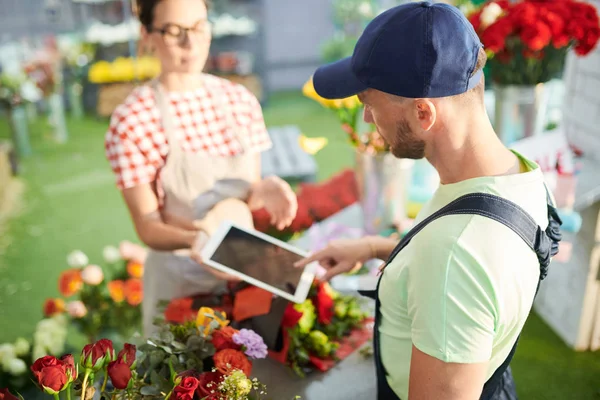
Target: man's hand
{"x":340,"y":256}
{"x":431,"y":378}
{"x":196,"y":255}
{"x":278,"y":198}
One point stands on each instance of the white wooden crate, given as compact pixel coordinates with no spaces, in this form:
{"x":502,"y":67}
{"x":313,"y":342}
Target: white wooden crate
{"x":286,"y":158}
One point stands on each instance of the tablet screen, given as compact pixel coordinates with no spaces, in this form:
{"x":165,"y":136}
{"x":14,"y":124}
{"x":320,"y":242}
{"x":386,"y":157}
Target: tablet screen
{"x":259,"y":259}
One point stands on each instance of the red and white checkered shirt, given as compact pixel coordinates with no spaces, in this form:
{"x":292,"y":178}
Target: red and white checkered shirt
{"x":136,"y":145}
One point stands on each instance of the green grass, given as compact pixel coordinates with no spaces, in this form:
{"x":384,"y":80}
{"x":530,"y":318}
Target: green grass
{"x":71,"y":203}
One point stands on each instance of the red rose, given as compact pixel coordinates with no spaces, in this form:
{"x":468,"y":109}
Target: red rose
{"x":119,"y":373}
{"x":127,"y":355}
{"x":229,"y":360}
{"x":291,"y":316}
{"x":95,"y":356}
{"x":69,"y":363}
{"x":208,"y":383}
{"x":5,"y":394}
{"x":536,"y":36}
{"x":41,"y":363}
{"x":186,"y":389}
{"x":53,"y":379}
{"x":223,"y":338}
{"x":324,"y":305}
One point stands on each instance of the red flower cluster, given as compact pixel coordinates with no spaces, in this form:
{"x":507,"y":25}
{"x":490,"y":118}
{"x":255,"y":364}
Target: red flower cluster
{"x":315,"y":203}
{"x":537,"y":24}
{"x":191,"y":385}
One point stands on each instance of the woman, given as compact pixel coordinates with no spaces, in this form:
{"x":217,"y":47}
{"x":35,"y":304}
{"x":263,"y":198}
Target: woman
{"x":185,"y":151}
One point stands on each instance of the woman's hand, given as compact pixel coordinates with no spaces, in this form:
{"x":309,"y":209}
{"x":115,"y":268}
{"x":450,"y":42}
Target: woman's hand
{"x":278,"y":198}
{"x":196,"y":255}
{"x":341,"y":256}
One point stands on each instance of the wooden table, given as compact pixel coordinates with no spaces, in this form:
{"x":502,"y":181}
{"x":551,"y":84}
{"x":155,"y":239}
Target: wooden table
{"x":353,"y":378}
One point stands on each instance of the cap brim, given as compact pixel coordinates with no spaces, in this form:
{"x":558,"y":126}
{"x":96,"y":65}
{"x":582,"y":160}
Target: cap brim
{"x":337,"y":81}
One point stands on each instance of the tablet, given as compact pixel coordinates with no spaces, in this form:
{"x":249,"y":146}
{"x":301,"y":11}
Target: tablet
{"x":259,"y":259}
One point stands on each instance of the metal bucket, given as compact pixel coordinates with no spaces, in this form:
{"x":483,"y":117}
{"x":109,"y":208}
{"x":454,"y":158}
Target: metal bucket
{"x":520,"y":111}
{"x":383,"y":185}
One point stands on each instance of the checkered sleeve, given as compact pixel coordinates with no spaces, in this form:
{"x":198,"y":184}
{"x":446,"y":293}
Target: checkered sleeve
{"x":259,"y":135}
{"x":130,"y":165}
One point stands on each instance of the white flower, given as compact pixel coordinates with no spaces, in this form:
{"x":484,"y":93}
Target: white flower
{"x":365,"y":9}
{"x":490,"y":14}
{"x":16,"y":367}
{"x":38,"y":352}
{"x":22,"y":347}
{"x":77,"y":259}
{"x":7,"y":353}
{"x":92,"y":275}
{"x":111,"y":254}
{"x":76,"y":309}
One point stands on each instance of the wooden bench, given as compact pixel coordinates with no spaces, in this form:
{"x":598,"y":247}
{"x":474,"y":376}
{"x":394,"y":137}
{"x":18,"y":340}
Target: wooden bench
{"x":286,"y":158}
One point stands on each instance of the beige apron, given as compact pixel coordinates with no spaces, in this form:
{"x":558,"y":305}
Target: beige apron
{"x":205,"y":189}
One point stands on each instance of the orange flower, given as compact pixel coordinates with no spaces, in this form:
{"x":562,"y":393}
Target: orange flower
{"x":134,"y":292}
{"x":70,"y":282}
{"x":135,"y":269}
{"x":206,"y":316}
{"x":53,"y":307}
{"x":116,"y":290}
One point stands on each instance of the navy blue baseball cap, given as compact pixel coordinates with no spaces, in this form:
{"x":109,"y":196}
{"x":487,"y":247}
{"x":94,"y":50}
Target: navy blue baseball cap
{"x":415,"y":50}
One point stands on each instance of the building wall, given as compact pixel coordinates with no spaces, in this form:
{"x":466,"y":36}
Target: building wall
{"x":582,"y":100}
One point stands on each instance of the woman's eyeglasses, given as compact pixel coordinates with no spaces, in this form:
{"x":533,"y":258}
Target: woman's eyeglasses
{"x":176,"y":35}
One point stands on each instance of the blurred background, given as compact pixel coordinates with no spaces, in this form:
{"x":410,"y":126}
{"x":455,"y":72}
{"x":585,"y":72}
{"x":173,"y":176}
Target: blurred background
{"x":66,"y":64}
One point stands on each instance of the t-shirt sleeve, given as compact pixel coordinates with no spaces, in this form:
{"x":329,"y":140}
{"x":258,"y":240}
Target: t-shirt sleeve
{"x":259,"y":138}
{"x":452,"y":305}
{"x":129,"y":164}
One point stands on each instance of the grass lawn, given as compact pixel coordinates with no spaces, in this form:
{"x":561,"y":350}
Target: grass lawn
{"x":71,"y":202}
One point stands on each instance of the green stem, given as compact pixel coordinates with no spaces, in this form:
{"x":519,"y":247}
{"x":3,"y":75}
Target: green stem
{"x":169,"y":395}
{"x":84,"y":384}
{"x":69,"y":392}
{"x":56,"y":397}
{"x":105,"y":381}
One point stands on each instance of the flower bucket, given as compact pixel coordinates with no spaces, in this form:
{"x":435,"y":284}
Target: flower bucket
{"x":57,"y":117}
{"x":20,"y":130}
{"x":383,"y":185}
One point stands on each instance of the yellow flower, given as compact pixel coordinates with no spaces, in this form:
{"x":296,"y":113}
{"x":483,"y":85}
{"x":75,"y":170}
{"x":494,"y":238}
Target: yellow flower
{"x":206,"y":317}
{"x":123,"y":70}
{"x":100,"y":72}
{"x":312,"y":145}
{"x":349,"y":102}
{"x":309,"y":91}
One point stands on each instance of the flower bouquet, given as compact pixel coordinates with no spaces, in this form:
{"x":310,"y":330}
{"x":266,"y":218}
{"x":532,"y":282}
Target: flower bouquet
{"x":349,"y":113}
{"x":324,"y":329}
{"x":201,"y":359}
{"x":527,"y":41}
{"x":108,"y":299}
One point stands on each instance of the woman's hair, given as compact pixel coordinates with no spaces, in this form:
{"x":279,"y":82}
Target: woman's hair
{"x":145,"y":10}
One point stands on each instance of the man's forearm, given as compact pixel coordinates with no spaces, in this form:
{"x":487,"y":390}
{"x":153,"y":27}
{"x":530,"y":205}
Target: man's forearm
{"x":382,"y":247}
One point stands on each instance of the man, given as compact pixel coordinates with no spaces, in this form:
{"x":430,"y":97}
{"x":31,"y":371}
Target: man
{"x":453,"y":302}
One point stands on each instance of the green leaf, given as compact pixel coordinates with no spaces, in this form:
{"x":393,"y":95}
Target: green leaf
{"x":178,"y":345}
{"x":167,"y":337}
{"x":160,"y":382}
{"x":149,"y":391}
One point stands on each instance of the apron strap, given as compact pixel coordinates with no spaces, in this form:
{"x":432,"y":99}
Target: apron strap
{"x":166,"y":119}
{"x":543,"y":242}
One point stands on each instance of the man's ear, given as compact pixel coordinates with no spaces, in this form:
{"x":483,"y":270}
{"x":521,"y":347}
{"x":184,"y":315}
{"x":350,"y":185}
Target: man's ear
{"x":426,"y":113}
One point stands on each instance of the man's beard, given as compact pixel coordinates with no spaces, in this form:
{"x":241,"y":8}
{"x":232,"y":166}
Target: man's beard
{"x":405,"y":145}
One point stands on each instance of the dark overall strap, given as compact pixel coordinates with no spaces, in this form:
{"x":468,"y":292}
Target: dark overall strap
{"x":543,"y":243}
